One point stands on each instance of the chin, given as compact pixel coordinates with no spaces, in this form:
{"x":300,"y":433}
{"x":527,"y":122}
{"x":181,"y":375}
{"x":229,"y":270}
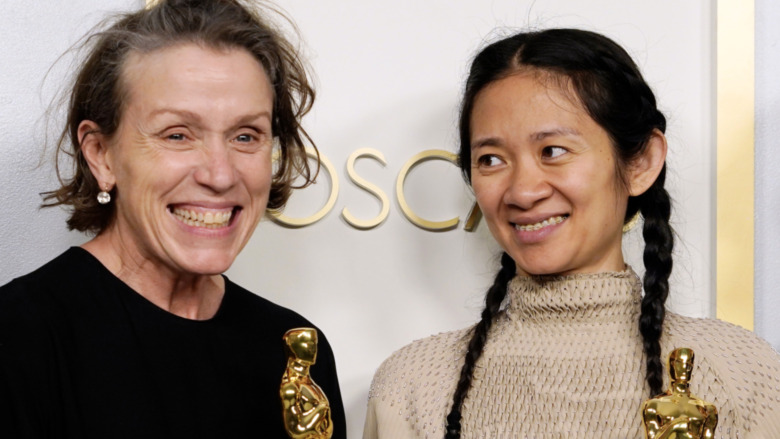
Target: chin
{"x":541,"y":267}
{"x":209,"y":264}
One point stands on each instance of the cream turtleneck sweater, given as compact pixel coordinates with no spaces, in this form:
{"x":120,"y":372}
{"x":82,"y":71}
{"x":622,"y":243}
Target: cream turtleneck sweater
{"x":565,"y":360}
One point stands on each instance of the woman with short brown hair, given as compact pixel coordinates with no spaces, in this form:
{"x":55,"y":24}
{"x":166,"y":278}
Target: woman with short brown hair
{"x":173,"y":121}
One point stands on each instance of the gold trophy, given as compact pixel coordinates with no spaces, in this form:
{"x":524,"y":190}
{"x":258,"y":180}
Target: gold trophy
{"x":677,"y":414}
{"x":305,"y":407}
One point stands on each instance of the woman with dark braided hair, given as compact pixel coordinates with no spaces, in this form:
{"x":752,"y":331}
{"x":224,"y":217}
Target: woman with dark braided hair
{"x":562,"y":143}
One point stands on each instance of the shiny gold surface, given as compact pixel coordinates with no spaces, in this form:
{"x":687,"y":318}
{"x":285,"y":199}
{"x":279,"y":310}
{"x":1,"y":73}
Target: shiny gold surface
{"x":430,"y":154}
{"x":632,"y":222}
{"x":305,"y":407}
{"x":475,"y":215}
{"x":677,"y":414}
{"x":288,"y":221}
{"x":369,"y":187}
{"x":735,"y":161}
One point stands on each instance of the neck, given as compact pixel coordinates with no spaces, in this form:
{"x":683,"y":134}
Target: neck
{"x":681,"y":387}
{"x":295,"y":367}
{"x":187,"y":295}
{"x":573,"y":300}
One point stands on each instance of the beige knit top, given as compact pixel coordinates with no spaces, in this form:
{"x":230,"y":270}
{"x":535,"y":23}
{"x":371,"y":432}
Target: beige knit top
{"x":565,"y":360}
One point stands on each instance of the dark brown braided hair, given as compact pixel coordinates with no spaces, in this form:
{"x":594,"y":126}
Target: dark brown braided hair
{"x":613,"y":92}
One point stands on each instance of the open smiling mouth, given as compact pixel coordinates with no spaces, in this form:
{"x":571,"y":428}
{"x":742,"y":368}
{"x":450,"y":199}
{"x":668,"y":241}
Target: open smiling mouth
{"x":211,"y":219}
{"x":553,"y":220}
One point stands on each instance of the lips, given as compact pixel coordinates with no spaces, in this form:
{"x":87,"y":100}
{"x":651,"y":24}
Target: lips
{"x":203,"y":217}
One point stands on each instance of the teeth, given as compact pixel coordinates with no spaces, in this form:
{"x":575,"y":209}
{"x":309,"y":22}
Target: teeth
{"x":209,"y":220}
{"x":548,"y":222}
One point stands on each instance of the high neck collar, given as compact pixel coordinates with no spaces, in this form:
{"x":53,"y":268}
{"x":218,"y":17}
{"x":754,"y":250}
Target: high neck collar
{"x":580,"y":297}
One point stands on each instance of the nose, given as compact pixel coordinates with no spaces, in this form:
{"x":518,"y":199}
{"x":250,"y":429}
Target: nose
{"x":528,"y":186}
{"x":217,"y":169}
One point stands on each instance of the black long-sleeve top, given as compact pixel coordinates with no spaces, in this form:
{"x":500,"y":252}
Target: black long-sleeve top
{"x":83,"y":356}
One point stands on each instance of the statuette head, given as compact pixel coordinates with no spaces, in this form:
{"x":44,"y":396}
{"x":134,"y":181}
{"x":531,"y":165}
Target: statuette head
{"x":302,"y":344}
{"x":681,"y":365}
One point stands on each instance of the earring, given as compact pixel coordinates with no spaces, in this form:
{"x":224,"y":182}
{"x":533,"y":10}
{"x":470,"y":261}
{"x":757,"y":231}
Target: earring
{"x":103,"y":197}
{"x":631,"y":223}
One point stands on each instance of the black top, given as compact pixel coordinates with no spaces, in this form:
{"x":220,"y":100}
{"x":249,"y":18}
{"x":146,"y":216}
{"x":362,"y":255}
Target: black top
{"x":84,"y":356}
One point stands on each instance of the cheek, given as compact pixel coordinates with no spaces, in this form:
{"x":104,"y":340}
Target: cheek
{"x":602,"y":196}
{"x":484,"y":188}
{"x":595,"y":180}
{"x":256,"y":175}
{"x":485,"y":199}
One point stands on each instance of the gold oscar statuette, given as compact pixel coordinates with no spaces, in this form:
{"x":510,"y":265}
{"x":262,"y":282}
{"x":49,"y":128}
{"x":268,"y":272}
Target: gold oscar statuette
{"x":676,"y":414}
{"x":305,"y":407}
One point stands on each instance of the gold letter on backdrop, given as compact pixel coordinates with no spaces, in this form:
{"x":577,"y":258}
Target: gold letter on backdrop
{"x":431,"y":154}
{"x":369,"y":187}
{"x":473,"y":220}
{"x":285,"y":220}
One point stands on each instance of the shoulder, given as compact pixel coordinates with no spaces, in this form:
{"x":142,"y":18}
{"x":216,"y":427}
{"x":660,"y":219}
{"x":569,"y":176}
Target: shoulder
{"x":723,"y":343}
{"x":32,"y":308}
{"x":250,"y":305}
{"x":734,"y":367}
{"x":259,"y":315}
{"x":48,"y":275}
{"x":42,"y":290}
{"x":411,"y":391}
{"x":439,"y":353}
{"x":269,"y":321}
{"x":728,"y":348}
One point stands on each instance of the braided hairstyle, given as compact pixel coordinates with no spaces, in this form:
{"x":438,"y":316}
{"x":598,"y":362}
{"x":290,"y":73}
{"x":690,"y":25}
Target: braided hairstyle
{"x":614,"y":94}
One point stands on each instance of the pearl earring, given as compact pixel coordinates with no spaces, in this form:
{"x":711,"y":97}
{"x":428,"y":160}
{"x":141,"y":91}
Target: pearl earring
{"x":103,"y":197}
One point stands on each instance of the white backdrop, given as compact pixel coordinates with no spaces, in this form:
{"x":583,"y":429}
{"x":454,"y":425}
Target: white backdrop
{"x":767,"y":163}
{"x":388,"y":77}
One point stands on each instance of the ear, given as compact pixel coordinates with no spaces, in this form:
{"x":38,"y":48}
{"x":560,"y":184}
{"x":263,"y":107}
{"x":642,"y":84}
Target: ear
{"x":94,"y":146}
{"x":644,"y":170}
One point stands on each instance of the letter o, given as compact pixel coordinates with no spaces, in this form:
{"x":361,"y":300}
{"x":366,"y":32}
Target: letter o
{"x":287,"y":221}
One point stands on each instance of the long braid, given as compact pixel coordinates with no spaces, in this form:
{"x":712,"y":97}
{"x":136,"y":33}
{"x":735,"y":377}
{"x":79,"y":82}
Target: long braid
{"x":616,"y":96}
{"x":633,"y":129}
{"x":655,"y":206}
{"x":493,"y":299}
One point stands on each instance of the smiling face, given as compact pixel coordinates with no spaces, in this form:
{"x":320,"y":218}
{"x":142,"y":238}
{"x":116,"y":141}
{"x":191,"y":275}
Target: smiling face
{"x":545,"y":178}
{"x":191,"y":158}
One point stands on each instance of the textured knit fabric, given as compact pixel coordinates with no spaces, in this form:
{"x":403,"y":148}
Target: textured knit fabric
{"x":565,"y":360}
{"x":83,"y":356}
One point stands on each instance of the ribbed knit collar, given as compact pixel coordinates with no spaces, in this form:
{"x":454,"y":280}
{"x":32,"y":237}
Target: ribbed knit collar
{"x":581,"y":297}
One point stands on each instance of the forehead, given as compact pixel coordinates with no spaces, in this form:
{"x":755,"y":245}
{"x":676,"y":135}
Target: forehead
{"x":531,"y":106}
{"x":166,"y":70}
{"x":530,"y":93}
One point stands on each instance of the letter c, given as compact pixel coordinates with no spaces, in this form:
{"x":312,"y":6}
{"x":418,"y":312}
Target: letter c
{"x":430,"y":154}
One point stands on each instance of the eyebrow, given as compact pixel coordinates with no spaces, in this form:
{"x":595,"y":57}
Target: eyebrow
{"x":183,"y":113}
{"x":487,"y":141}
{"x":534,"y":137}
{"x":252,"y":117}
{"x":563,"y":131}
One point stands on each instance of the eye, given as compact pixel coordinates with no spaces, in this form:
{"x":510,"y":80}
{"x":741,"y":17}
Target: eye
{"x":250,"y":139}
{"x":176,"y":137}
{"x":552,"y":152}
{"x":489,"y":160}
{"x":245,"y":138}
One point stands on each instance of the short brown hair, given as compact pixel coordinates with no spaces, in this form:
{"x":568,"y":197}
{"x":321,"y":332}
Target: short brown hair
{"x":97,"y":92}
